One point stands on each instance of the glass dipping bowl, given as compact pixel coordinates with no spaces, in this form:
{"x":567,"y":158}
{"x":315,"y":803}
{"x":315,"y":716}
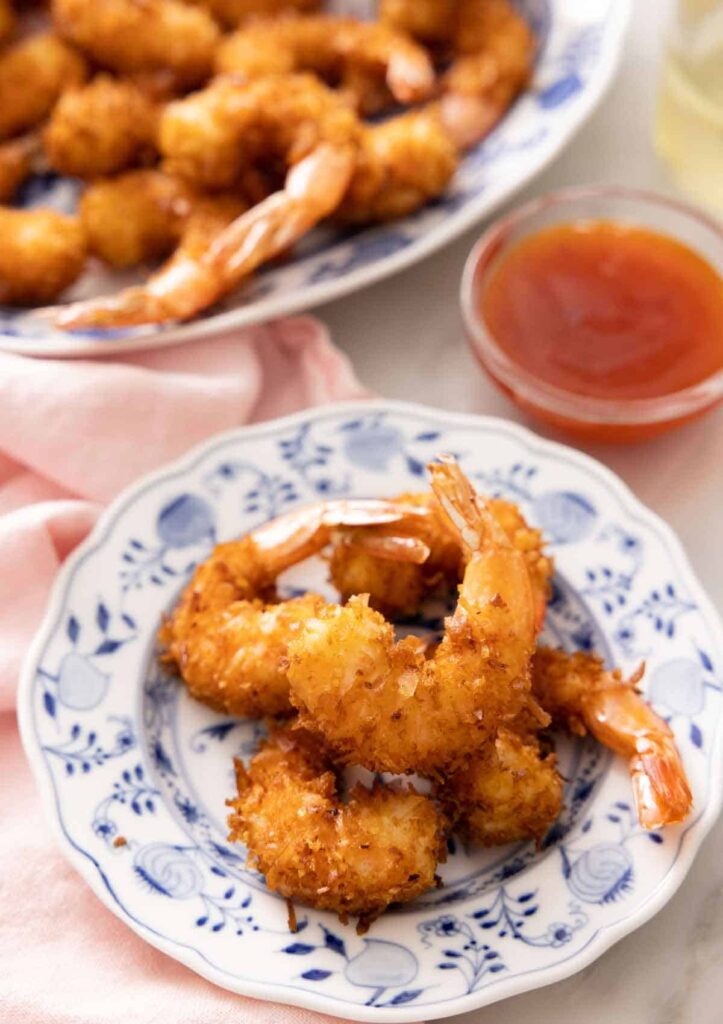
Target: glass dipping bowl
{"x":599,"y":419}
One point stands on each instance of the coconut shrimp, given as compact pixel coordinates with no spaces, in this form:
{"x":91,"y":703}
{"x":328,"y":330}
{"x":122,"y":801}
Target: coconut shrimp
{"x":129,"y":36}
{"x":491,"y":49}
{"x":383,"y":703}
{"x":101,"y":128}
{"x":211,"y":137}
{"x":17,"y":160}
{"x":356,"y":55}
{"x":354,"y":857}
{"x":228,"y":637}
{"x":42,"y":253}
{"x":583,"y":696}
{"x":494,"y":50}
{"x":143,"y":215}
{"x":33,"y":74}
{"x":507,"y":792}
{"x":402,"y":163}
{"x":397,"y":590}
{"x":318,"y":177}
{"x":182,"y":285}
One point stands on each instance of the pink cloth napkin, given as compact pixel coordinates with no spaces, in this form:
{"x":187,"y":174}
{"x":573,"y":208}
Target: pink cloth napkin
{"x":72,"y":434}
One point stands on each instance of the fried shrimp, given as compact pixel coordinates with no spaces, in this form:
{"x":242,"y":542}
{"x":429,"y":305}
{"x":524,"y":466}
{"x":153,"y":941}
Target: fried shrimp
{"x":402,"y":164}
{"x":320,"y":155}
{"x":42,"y":253}
{"x":381,"y":846}
{"x":227,"y":637}
{"x":33,"y":74}
{"x":506,"y":793}
{"x":182,"y":285}
{"x":494,"y":49}
{"x":143,"y":215}
{"x":344,"y":51}
{"x":101,"y":128}
{"x":211,"y":137}
{"x":141,"y":35}
{"x":583,"y":696}
{"x":17,"y":158}
{"x":490,"y":48}
{"x":382,"y":703}
{"x":398,"y":590}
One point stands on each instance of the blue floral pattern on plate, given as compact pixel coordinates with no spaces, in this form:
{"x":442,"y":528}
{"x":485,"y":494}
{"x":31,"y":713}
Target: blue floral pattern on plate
{"x":578,"y":50}
{"x":135,"y":773}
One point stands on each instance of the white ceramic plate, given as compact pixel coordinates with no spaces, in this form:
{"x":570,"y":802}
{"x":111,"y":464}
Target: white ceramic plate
{"x":579,"y":48}
{"x":119,"y":749}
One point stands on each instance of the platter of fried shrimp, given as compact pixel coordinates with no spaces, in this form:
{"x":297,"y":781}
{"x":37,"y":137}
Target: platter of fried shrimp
{"x":171,"y":169}
{"x":379,"y":710}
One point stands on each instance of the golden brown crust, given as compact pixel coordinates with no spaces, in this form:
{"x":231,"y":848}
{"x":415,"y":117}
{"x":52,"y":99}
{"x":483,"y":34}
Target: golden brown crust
{"x":33,"y":74}
{"x":234,"y":658}
{"x":213,"y":137}
{"x":506,"y":793}
{"x":42,"y":253}
{"x":382,"y":846}
{"x":101,"y":128}
{"x":141,"y":35}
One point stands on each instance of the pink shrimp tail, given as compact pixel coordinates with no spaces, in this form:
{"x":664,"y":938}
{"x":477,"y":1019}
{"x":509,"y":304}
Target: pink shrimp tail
{"x":662,"y":794}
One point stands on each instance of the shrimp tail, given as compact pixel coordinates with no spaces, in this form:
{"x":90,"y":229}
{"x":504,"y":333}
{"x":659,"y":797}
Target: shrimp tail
{"x":466,"y":511}
{"x":313,"y":189}
{"x":662,"y":794}
{"x":582,"y":695}
{"x":619,"y":718}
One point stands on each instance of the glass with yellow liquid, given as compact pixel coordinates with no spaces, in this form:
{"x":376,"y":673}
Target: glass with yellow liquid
{"x":689,"y":123}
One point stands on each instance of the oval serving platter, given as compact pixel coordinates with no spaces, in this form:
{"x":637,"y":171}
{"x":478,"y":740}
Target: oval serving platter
{"x":579,"y":48}
{"x":122,"y":753}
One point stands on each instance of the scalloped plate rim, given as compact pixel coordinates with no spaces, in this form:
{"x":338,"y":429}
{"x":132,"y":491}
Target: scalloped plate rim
{"x":600,"y":940}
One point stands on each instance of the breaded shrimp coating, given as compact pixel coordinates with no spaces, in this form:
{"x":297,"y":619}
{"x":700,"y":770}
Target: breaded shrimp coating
{"x":402,"y":164}
{"x":234,"y":12}
{"x":490,"y":50}
{"x":234,"y":659}
{"x":136,"y":217}
{"x":101,"y":128}
{"x":506,"y":793}
{"x":33,"y":74}
{"x":141,"y":35}
{"x":41,"y":254}
{"x":343,"y":51}
{"x":381,"y":846}
{"x":384,"y":703}
{"x":211,"y":137}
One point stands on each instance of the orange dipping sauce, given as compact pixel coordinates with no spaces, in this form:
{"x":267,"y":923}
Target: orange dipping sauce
{"x":606,"y":310}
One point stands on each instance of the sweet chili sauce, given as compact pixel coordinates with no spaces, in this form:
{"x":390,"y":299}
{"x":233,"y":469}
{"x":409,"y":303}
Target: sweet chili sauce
{"x":606,"y":310}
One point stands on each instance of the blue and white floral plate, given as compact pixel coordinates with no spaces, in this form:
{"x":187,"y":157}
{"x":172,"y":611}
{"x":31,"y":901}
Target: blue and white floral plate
{"x":579,"y":47}
{"x":134,"y":773}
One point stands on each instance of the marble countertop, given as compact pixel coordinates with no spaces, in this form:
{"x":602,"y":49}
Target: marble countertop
{"x":405,"y":339}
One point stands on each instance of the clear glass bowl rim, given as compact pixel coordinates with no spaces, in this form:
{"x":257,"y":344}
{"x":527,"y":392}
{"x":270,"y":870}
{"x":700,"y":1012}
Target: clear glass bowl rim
{"x":557,"y":401}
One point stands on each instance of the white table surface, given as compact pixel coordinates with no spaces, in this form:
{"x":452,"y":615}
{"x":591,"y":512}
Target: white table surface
{"x":404,"y":337}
